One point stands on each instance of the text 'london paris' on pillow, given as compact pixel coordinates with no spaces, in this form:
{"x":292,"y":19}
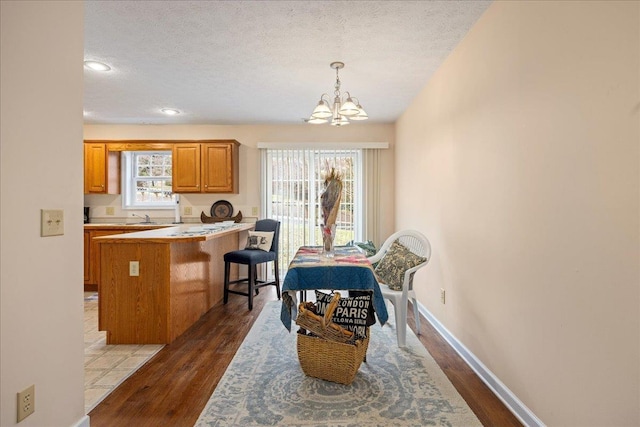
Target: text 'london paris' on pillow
{"x":352,"y":313}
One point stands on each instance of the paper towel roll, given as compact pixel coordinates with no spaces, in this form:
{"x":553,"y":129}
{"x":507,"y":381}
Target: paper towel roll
{"x":177,"y":208}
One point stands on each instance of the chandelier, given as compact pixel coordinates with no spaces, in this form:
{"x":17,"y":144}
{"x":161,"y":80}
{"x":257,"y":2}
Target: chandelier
{"x":343,"y":109}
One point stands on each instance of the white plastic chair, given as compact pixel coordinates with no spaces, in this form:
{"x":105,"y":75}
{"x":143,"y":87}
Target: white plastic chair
{"x":417,"y":243}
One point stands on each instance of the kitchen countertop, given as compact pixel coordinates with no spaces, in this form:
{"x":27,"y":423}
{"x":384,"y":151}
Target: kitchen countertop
{"x":116,"y":226}
{"x":174,"y":233}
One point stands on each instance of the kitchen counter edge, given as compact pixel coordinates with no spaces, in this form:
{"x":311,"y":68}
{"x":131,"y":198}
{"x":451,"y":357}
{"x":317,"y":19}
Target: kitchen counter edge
{"x":167,"y":234}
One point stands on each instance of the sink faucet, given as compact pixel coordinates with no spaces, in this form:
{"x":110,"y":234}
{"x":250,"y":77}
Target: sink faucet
{"x":146,"y":218}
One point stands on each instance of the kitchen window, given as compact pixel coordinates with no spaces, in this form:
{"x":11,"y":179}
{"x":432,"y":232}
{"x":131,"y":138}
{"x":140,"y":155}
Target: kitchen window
{"x":146,"y":179}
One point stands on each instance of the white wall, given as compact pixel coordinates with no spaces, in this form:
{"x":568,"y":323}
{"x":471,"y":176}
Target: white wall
{"x":249,"y":136}
{"x":41,"y":300}
{"x":526,"y":142}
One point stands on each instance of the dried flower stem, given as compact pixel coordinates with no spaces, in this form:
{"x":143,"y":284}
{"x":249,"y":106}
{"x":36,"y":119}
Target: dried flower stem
{"x":330,"y":199}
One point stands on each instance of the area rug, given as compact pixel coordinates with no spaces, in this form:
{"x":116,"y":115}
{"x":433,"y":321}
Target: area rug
{"x":265,"y":386}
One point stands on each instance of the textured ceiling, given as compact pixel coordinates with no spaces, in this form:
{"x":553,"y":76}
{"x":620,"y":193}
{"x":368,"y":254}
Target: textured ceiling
{"x":261,"y":62}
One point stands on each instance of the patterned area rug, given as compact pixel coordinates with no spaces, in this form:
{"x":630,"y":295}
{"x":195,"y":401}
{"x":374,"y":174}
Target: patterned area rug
{"x":265,"y":386}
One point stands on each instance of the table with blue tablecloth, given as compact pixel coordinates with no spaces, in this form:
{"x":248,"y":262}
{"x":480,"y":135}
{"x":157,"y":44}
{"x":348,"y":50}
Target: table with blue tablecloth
{"x":347,"y":269}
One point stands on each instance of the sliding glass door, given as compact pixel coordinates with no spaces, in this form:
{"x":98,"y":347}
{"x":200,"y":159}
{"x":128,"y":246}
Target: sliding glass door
{"x":292,"y":182}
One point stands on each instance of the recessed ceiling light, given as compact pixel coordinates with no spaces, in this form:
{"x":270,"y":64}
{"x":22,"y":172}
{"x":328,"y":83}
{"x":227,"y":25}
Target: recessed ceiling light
{"x":170,"y":111}
{"x":96,"y":66}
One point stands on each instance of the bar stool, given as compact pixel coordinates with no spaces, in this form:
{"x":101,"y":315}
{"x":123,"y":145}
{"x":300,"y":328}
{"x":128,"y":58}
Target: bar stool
{"x":251,"y":258}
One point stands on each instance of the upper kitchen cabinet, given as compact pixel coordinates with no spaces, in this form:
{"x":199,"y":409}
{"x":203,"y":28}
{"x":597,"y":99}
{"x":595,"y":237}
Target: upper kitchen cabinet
{"x":207,"y":167}
{"x":186,"y":168}
{"x":101,"y":170}
{"x":219,"y":167}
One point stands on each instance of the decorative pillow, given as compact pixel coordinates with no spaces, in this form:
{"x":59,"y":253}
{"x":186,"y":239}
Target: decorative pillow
{"x":260,"y":240}
{"x":368,"y":247}
{"x":391,"y":268}
{"x":371,"y":318}
{"x":352,"y":313}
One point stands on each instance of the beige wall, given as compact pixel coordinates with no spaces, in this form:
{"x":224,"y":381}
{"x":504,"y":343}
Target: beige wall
{"x":41,"y":301}
{"x":526,"y":142}
{"x":249,"y":136}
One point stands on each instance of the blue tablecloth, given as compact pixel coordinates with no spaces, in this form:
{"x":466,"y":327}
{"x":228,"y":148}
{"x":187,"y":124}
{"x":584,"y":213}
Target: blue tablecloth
{"x":349,"y":269}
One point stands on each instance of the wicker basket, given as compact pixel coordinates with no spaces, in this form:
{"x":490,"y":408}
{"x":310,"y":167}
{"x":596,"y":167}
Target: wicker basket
{"x":322,"y":326}
{"x":329,"y":359}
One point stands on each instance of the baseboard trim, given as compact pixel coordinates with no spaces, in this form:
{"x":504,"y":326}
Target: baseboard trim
{"x":507,"y":397}
{"x":83,"y":422}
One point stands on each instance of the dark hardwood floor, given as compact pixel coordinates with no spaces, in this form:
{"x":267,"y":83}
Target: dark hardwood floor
{"x":174,"y":386}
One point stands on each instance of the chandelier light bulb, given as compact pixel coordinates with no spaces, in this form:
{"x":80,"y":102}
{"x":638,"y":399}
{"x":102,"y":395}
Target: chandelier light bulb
{"x":322,"y":111}
{"x":316,"y":120}
{"x":349,"y":108}
{"x":362,"y":115}
{"x":339,"y":121}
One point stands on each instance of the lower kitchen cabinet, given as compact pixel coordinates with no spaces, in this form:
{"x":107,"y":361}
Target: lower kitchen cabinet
{"x":92,"y":250}
{"x":92,"y":257}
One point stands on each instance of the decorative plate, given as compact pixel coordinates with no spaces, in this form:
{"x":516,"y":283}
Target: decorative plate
{"x":221,"y":209}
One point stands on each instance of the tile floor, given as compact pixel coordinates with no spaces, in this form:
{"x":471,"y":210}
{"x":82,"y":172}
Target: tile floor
{"x":106,"y":366}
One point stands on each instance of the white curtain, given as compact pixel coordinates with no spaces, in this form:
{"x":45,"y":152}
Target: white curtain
{"x":371,"y":190}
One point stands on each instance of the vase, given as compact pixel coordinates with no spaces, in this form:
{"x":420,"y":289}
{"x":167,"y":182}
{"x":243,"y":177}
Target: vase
{"x":328,"y":235}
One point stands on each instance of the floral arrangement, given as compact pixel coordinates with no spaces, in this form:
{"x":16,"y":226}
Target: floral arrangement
{"x":330,"y":204}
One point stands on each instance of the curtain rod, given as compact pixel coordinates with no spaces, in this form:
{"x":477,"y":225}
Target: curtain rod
{"x":322,"y":145}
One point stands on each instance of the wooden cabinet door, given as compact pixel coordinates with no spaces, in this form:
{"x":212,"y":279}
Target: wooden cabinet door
{"x":186,"y":168}
{"x":94,"y":252}
{"x":95,"y":168}
{"x":219,"y":167}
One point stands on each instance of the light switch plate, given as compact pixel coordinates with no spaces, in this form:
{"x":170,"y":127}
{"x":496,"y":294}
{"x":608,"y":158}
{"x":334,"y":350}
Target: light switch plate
{"x":52,"y":222}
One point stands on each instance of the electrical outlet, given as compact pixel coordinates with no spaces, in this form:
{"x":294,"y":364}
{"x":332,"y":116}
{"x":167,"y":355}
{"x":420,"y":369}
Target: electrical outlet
{"x":187,"y":210}
{"x":254,"y":211}
{"x":26,"y":402}
{"x":134,"y":268}
{"x":110,"y":210}
{"x":52,"y":222}
{"x":442,"y":296}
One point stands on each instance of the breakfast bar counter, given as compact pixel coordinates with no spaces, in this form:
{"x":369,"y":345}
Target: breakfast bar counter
{"x":133,"y":226}
{"x":155,"y":284}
